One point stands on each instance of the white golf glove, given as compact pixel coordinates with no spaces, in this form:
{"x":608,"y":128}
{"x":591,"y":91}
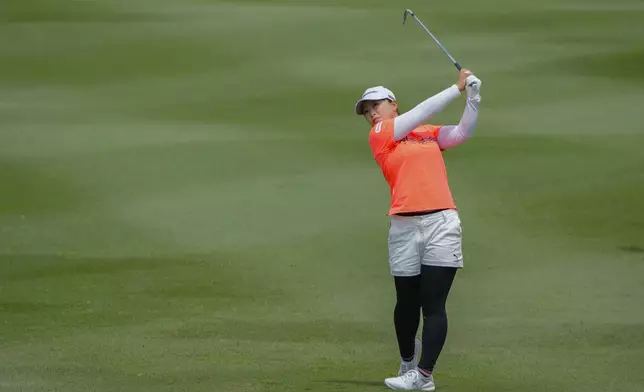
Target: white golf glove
{"x":473,"y":87}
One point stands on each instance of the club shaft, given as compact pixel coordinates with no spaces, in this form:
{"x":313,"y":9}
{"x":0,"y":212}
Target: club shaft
{"x":458,"y":66}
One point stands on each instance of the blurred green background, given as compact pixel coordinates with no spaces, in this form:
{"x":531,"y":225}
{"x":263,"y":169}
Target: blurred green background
{"x":188,"y":202}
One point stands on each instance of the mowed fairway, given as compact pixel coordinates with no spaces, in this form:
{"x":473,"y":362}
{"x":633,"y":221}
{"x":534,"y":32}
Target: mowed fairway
{"x":188,"y":203}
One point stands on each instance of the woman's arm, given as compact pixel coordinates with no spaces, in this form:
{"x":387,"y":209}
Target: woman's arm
{"x":451,"y":136}
{"x":407,"y":122}
{"x":410,"y":120}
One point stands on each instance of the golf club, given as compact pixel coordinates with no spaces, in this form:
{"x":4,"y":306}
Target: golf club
{"x":410,"y":12}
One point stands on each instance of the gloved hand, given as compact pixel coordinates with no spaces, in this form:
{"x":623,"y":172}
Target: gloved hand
{"x":473,"y":87}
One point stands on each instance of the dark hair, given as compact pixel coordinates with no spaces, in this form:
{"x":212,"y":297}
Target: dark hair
{"x":390,"y":101}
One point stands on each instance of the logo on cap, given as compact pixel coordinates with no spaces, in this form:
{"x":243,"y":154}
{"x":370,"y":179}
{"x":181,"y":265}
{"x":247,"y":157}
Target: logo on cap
{"x":369,"y":92}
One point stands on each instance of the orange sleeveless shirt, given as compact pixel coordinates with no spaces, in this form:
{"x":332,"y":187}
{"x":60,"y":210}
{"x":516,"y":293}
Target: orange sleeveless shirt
{"x":413,"y":167}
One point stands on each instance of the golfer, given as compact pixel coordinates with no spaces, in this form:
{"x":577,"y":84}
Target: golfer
{"x":425,"y":229}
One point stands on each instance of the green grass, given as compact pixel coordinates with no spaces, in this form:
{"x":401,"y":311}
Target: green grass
{"x":188,"y":202}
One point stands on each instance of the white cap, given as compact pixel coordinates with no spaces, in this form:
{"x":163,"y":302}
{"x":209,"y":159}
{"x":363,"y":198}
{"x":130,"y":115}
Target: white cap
{"x":374,"y":94}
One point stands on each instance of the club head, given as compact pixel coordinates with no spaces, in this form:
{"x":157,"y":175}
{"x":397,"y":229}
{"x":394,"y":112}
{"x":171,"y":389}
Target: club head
{"x":407,"y":12}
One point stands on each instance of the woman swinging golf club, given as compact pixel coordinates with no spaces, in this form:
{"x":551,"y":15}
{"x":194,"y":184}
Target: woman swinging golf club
{"x":425,"y":229}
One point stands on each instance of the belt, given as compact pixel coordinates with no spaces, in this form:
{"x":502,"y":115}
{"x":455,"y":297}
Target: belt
{"x":419,"y":213}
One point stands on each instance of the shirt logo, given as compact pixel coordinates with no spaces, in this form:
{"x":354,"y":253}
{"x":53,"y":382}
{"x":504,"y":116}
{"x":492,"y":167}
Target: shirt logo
{"x":419,"y":139}
{"x":379,"y":127}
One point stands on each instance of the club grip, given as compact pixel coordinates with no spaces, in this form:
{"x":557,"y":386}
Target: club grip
{"x":458,"y":66}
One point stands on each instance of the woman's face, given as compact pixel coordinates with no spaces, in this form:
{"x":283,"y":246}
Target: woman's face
{"x":376,"y":111}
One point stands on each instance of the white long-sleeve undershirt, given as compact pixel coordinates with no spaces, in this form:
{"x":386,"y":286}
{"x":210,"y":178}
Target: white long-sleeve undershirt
{"x":450,"y":135}
{"x":453,"y":135}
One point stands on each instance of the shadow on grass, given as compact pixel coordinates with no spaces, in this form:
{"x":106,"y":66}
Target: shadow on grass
{"x":364,"y":383}
{"x":632,"y":249}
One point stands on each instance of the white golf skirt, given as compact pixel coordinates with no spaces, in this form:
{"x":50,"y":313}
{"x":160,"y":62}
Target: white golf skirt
{"x":434,"y":239}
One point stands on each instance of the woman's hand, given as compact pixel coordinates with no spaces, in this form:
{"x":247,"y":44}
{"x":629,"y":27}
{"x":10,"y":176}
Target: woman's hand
{"x":462,"y":76}
{"x":473,"y":87}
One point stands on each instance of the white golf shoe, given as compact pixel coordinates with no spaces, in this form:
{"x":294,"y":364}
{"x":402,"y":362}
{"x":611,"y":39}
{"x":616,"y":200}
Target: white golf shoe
{"x":413,"y":380}
{"x":407,"y":366}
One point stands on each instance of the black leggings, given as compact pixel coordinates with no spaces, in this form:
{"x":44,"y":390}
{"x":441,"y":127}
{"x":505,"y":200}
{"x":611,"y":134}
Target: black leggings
{"x":427,"y":291}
